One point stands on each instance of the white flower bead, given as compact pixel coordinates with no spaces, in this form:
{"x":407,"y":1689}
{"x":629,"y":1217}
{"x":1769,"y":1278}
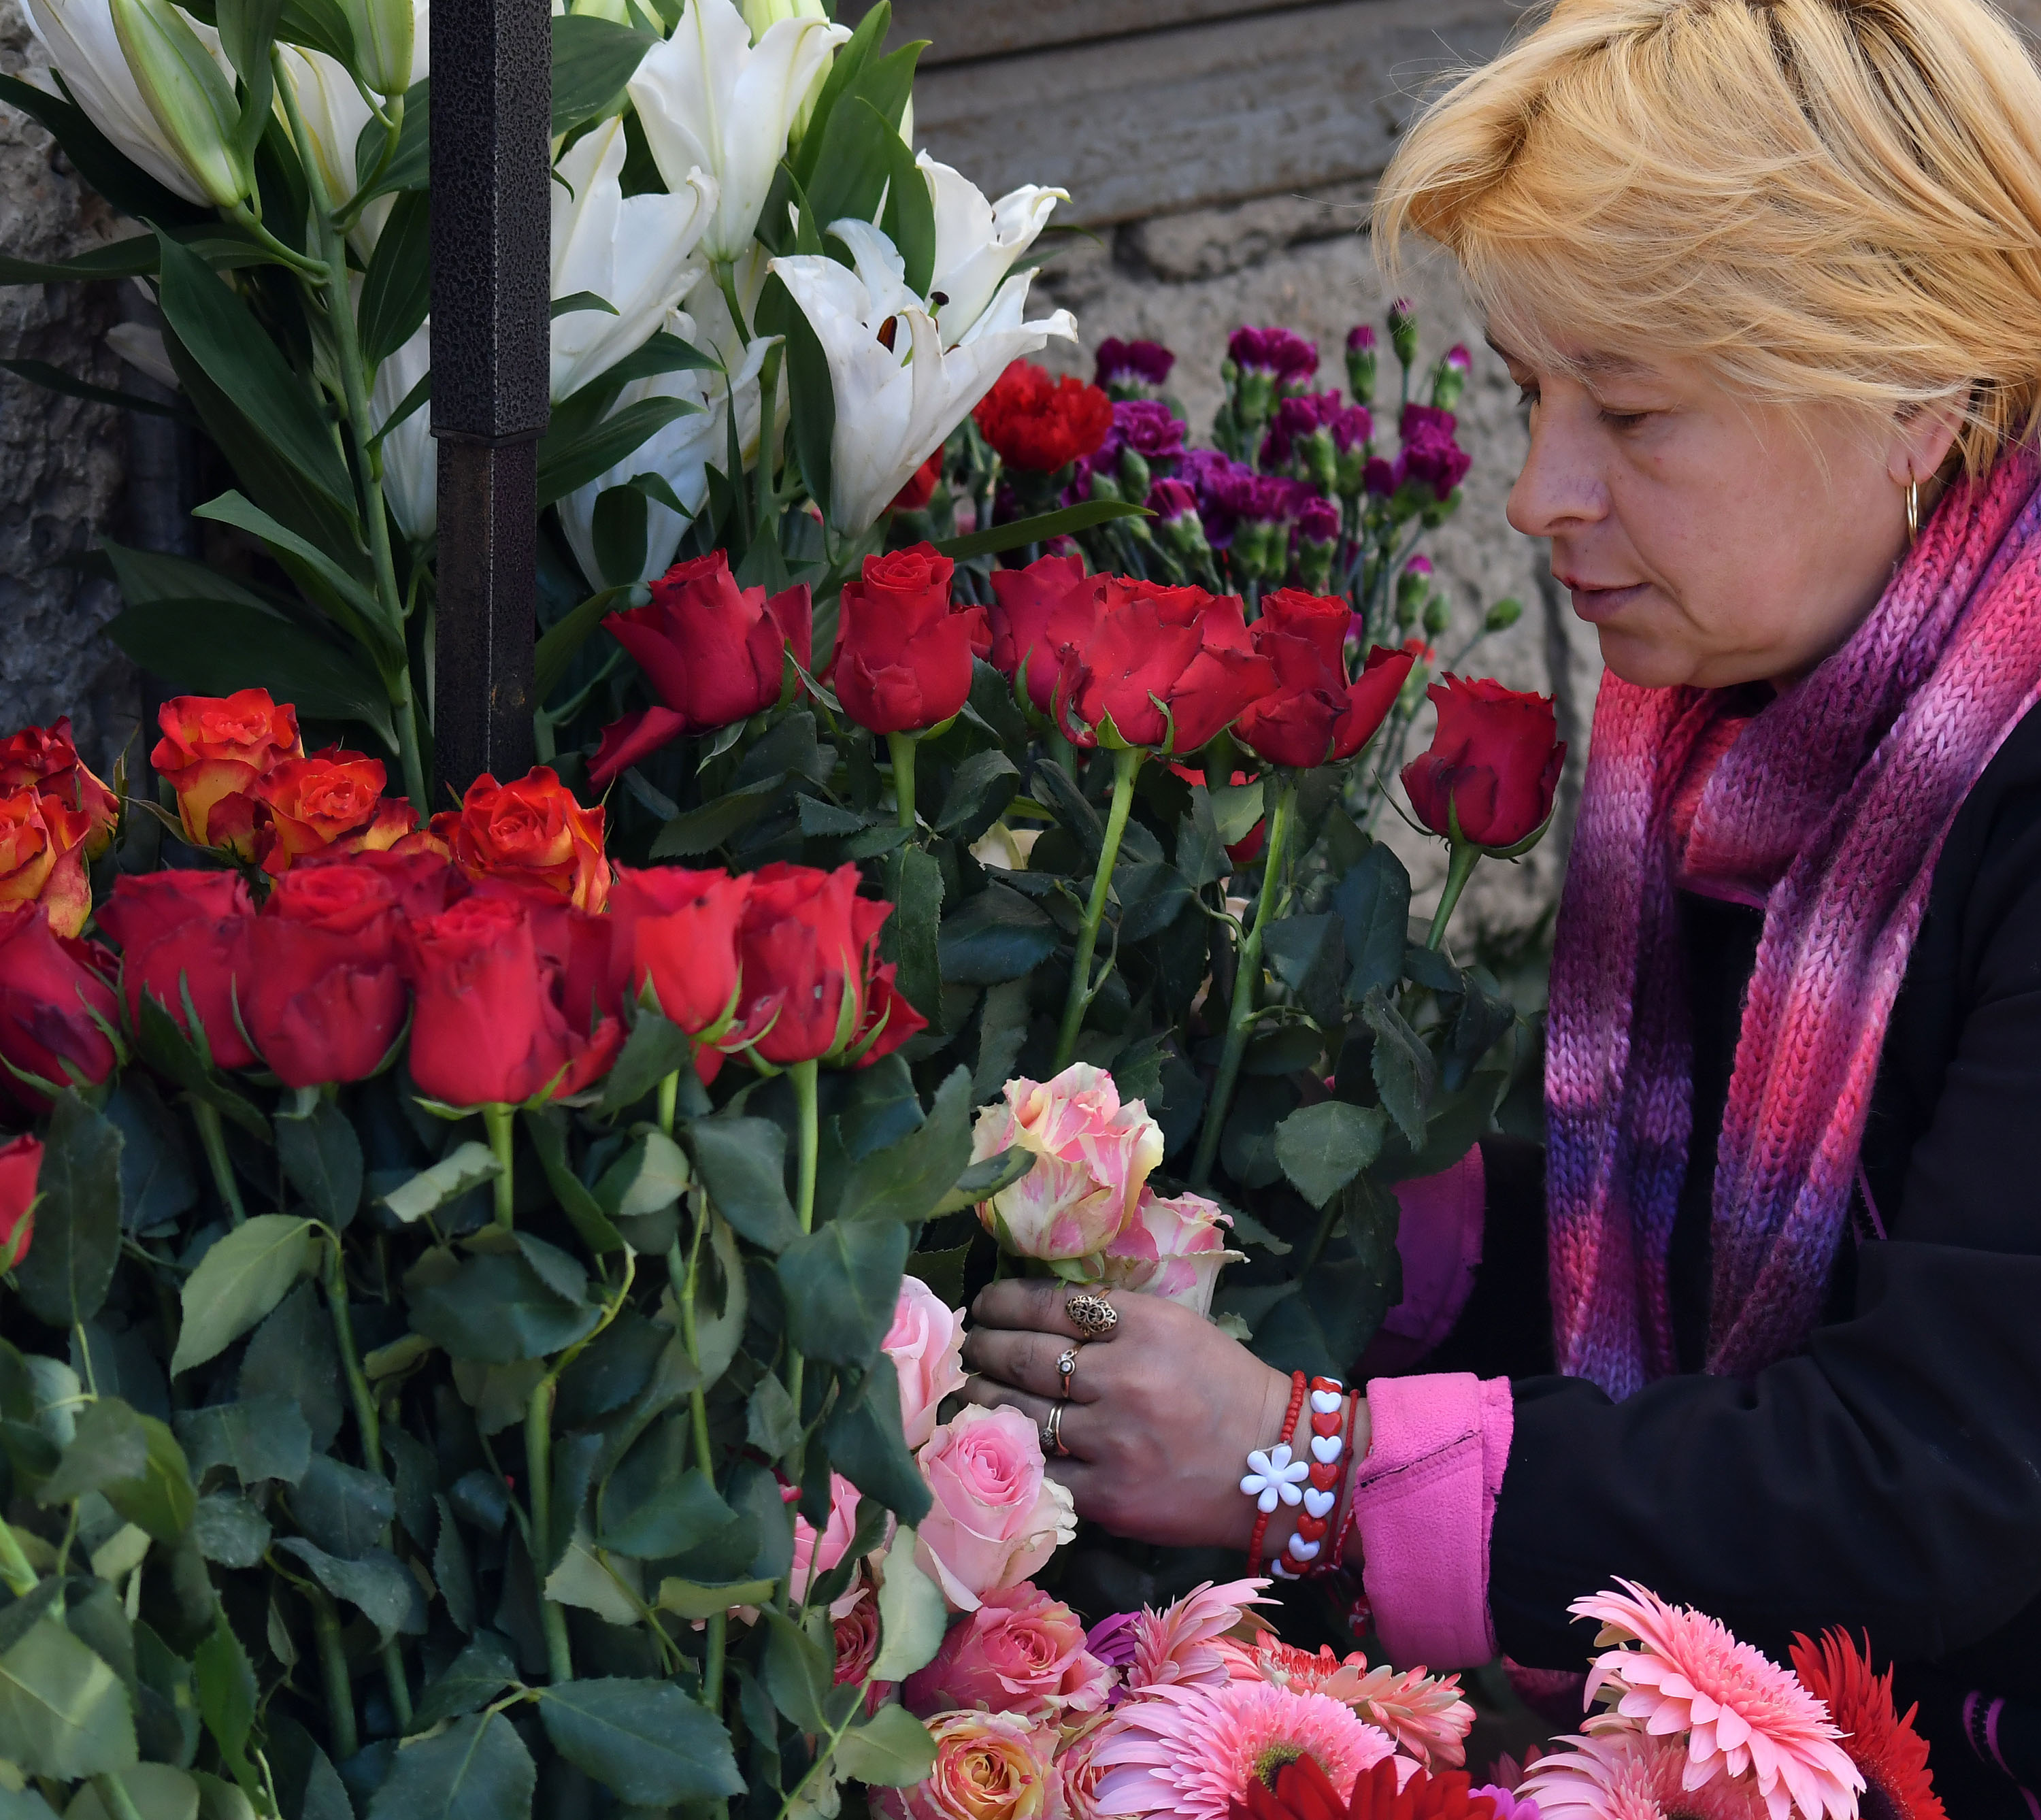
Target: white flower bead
{"x":1274,"y":1477}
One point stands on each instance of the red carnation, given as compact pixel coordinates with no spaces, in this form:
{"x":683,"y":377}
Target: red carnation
{"x":1042,"y":424}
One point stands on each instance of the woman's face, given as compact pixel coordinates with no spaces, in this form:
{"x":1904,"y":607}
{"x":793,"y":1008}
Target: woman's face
{"x":1708,"y":540}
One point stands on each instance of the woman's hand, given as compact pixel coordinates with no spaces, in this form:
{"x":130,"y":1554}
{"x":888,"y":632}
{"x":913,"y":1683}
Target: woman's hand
{"x":1162,"y":1410}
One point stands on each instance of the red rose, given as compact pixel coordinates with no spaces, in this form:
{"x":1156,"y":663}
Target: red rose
{"x":186,"y":932}
{"x":713,"y":652}
{"x":675,"y":933}
{"x":903,"y":651}
{"x":56,"y":1006}
{"x":531,"y":832}
{"x":488,"y":1025}
{"x":20,"y":1161}
{"x":45,"y":760}
{"x":577,"y":947}
{"x":424,"y":879}
{"x":213,"y":750}
{"x":1036,"y":611}
{"x":1314,"y":715}
{"x":1157,"y":648}
{"x":325,"y":995}
{"x":1040,"y":423}
{"x":43,"y":850}
{"x":1494,"y":763}
{"x":315,"y":802}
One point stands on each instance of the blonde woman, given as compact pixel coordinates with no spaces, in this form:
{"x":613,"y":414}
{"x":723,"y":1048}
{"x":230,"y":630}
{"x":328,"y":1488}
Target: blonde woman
{"x":1769,"y":276}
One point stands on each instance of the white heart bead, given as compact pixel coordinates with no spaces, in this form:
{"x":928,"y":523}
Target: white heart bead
{"x":1326,"y":1401}
{"x":1325,"y":1448}
{"x":1302,"y":1549}
{"x":1319,"y":1503}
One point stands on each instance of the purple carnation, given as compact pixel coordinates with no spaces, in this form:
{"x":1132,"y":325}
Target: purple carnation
{"x":1170,"y":500}
{"x":1294,"y":419}
{"x":1266,"y":499}
{"x":1430,"y":453}
{"x":1289,"y":358}
{"x":1146,"y":426}
{"x":1381,"y":477}
{"x":1351,"y":427}
{"x":1359,"y":338}
{"x":1141,"y":364}
{"x":1317,"y":520}
{"x":1210,"y":475}
{"x":1507,"y":1805}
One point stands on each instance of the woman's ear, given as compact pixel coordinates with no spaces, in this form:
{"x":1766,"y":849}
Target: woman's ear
{"x":1921,"y":441}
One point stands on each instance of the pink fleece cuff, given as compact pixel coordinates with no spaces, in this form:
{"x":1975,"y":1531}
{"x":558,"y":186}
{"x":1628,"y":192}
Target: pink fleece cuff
{"x":1425,"y":1501}
{"x":1438,"y":1236}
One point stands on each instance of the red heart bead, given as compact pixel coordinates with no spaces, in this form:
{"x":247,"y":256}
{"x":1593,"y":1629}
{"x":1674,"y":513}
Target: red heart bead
{"x":1312,"y":1528}
{"x":1325,"y":1474}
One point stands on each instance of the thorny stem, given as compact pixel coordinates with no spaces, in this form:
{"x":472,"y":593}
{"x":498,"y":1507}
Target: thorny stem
{"x":1124,"y":765}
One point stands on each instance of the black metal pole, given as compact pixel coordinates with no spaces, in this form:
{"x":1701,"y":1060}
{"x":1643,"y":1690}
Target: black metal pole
{"x":491,"y":104}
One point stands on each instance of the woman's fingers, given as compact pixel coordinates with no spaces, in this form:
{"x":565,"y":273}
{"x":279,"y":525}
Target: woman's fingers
{"x":1029,"y":1361}
{"x":1042,"y":1304}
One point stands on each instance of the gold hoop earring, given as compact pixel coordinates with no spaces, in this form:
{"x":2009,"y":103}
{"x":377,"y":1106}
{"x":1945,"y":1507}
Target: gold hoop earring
{"x":1913,"y":511}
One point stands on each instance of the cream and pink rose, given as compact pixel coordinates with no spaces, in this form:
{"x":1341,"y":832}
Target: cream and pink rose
{"x":925,"y":1344}
{"x":997,"y":1516}
{"x":1173,"y":1248}
{"x":1020,"y":1651}
{"x":1091,"y":1155}
{"x":989,"y":1766}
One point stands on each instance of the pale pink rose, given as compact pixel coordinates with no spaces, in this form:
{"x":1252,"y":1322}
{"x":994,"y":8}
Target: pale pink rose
{"x":989,"y":1766}
{"x":998,"y":1515}
{"x":811,"y":1560}
{"x":1092,"y":1154}
{"x":1020,"y":1651}
{"x":925,"y":1344}
{"x":1174,"y":1249}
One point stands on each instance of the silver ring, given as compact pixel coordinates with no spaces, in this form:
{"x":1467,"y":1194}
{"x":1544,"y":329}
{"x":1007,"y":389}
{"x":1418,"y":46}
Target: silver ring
{"x":1052,"y":1433}
{"x":1066,"y":1362}
{"x":1092,"y":1314}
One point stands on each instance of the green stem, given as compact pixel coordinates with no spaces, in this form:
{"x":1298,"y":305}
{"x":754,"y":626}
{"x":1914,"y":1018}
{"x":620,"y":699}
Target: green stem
{"x":499,"y":1121}
{"x":14,"y":1569}
{"x":538,"y":1464}
{"x":803,"y":1076}
{"x":214,"y":1141}
{"x":1466,"y":857}
{"x":716,"y":1634}
{"x":1062,"y":753}
{"x":1124,"y":765}
{"x":824,"y":1747}
{"x":1246,"y":973}
{"x":333,"y":1672}
{"x":368,"y":460}
{"x":901,"y":747}
{"x":726,"y":282}
{"x":670,"y":1101}
{"x":114,"y":1797}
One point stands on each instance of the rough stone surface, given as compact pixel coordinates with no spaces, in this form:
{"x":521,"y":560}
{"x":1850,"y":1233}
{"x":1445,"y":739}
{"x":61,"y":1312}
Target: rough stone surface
{"x":62,"y":460}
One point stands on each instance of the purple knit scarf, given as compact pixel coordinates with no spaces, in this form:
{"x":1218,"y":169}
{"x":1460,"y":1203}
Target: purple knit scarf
{"x":1828,"y":808}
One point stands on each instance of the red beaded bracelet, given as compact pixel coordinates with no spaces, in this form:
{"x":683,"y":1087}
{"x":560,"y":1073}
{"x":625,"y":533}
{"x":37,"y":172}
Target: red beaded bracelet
{"x":1272,"y":1477}
{"x":1343,"y":1530}
{"x":1329,"y":1418}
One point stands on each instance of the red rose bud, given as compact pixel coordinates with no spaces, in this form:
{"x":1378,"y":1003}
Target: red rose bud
{"x":531,"y":832}
{"x":1040,"y":424}
{"x":638,"y":735}
{"x":1166,"y":668}
{"x":714,"y":653}
{"x":44,"y":759}
{"x":1036,"y":613}
{"x":20,"y":1161}
{"x":489,"y":1025}
{"x":185,"y":934}
{"x":324,"y":998}
{"x":921,"y":487}
{"x":1494,"y":764}
{"x":1314,"y":715}
{"x":213,"y":750}
{"x":43,"y":849}
{"x":56,"y":1006}
{"x":675,"y":937}
{"x":904,"y":651}
{"x":315,"y":802}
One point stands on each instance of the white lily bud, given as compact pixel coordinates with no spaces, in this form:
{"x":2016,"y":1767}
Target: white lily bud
{"x":384,"y":31}
{"x":184,"y":87}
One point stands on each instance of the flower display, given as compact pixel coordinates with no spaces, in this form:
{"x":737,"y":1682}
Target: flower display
{"x":42,"y":858}
{"x":1889,"y":1754}
{"x":1043,"y":424}
{"x":323,"y":997}
{"x":998,"y":1515}
{"x":213,"y":753}
{"x":1636,"y":1776}
{"x":183,"y":944}
{"x":315,"y":801}
{"x":44,"y":761}
{"x":904,"y":647}
{"x":1131,"y":369}
{"x":1314,"y":715}
{"x":925,"y":1344}
{"x":58,"y":1009}
{"x":20,"y":1162}
{"x":978,"y":242}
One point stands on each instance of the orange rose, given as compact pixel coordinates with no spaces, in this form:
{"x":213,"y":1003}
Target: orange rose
{"x":42,"y":858}
{"x":394,"y":830}
{"x":44,"y":759}
{"x":531,"y":832}
{"x":315,"y":802}
{"x":214,"y":751}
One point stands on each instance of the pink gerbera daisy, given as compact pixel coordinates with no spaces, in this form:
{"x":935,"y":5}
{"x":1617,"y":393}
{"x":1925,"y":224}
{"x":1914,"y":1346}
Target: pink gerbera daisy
{"x":1618,"y":1773}
{"x":1177,"y":1647}
{"x":1425,"y":1715}
{"x":1741,"y":1712}
{"x":1191,"y":1750}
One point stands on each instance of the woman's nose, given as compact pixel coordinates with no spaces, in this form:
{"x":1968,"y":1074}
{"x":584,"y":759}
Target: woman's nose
{"x":1558,"y":488}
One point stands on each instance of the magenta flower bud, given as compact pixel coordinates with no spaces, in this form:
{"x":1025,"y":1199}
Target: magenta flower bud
{"x":1430,"y":452}
{"x":1380,"y":478}
{"x":1360,"y":363}
{"x":1172,"y":501}
{"x":1403,"y":330}
{"x":1318,"y":543}
{"x":1318,"y":521}
{"x":1132,"y":369}
{"x":1449,"y":378}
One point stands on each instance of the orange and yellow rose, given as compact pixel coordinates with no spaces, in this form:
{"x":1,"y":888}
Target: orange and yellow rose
{"x":529,"y":832}
{"x":45,"y":760}
{"x":43,"y":853}
{"x":214,"y":751}
{"x":316,"y":802}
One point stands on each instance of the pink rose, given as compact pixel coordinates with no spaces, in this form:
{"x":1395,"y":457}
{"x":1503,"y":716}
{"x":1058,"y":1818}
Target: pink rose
{"x":1020,"y":1651}
{"x":997,"y":1516}
{"x":857,"y":1636}
{"x":1174,"y":1249}
{"x":1092,"y":1154}
{"x":989,"y":1766}
{"x":925,"y":1344}
{"x":814,"y":1557}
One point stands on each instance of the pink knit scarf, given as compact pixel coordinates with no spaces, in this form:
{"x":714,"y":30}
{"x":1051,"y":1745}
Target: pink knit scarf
{"x":1828,"y":807}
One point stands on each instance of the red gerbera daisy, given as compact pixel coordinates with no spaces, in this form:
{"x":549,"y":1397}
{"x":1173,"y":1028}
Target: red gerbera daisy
{"x":1885,"y":1747}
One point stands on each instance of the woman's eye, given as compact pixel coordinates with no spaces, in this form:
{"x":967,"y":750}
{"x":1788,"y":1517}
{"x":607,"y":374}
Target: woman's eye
{"x":1625,"y":419}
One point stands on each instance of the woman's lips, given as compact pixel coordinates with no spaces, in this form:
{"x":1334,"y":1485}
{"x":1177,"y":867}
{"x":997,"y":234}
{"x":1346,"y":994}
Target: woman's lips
{"x":1597,"y":605}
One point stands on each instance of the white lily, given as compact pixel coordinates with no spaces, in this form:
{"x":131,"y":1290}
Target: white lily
{"x":79,"y":38}
{"x":708,"y":97}
{"x":896,"y":404}
{"x":633,"y":252}
{"x":978,"y":241}
{"x":331,"y":105}
{"x":410,"y":457}
{"x":682,"y":454}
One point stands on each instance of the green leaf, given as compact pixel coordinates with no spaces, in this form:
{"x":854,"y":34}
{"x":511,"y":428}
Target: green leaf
{"x":238,"y":1281}
{"x":546,"y":1126}
{"x":654,"y":1050}
{"x":908,"y":1180}
{"x":54,"y":378}
{"x":342,"y":1509}
{"x":229,"y":1530}
{"x":840,"y":1285}
{"x":321,"y":1159}
{"x":397,"y":291}
{"x":1405,"y":1073}
{"x":569,"y":459}
{"x":772,"y":1424}
{"x":63,"y":1712}
{"x":241,"y":358}
{"x":743,"y":1165}
{"x":1038,"y":529}
{"x":226,"y":1691}
{"x":908,"y":938}
{"x":995,"y":937}
{"x":484,"y":1668}
{"x":1485,"y":1019}
{"x":145,"y":577}
{"x":692,"y":1601}
{"x":1323,"y":1147}
{"x":477,"y":1770}
{"x":378,"y":1584}
{"x":108,"y":1445}
{"x":618,"y":530}
{"x":864,"y":1442}
{"x":891,"y":1750}
{"x":65,"y":1277}
{"x":409,"y":165}
{"x":651,"y":1175}
{"x":259,"y":1438}
{"x":167,"y":1048}
{"x":292,"y":1356}
{"x":984,"y":1179}
{"x":467,"y":1167}
{"x":644,"y":1739}
{"x":912,"y":1613}
{"x":496,"y":1310}
{"x":156,"y":1180}
{"x":1308,"y":955}
{"x":231,"y":509}
{"x":798,"y":1673}
{"x":593,"y":58}
{"x":655,"y":1507}
{"x":560,"y":642}
{"x":159,"y":1791}
{"x":1374,"y":904}
{"x":161,"y":1499}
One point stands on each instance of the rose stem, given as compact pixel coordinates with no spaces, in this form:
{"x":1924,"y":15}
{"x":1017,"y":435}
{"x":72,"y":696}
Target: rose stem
{"x":684,"y":1280}
{"x":803,"y":1076}
{"x":539,"y":1463}
{"x":1466,"y":857}
{"x":901,"y":746}
{"x":333,"y":1671}
{"x":1247,"y":970}
{"x":670,"y":1099}
{"x":1125,"y":763}
{"x":214,"y":1141}
{"x":496,"y":1119}
{"x":113,"y":1796}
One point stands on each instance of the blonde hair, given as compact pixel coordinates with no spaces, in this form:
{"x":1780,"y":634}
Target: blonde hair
{"x":1821,"y":199}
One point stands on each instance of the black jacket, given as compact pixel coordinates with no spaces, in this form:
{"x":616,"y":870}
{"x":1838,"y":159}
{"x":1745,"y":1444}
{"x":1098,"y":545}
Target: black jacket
{"x":1888,"y":1477}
